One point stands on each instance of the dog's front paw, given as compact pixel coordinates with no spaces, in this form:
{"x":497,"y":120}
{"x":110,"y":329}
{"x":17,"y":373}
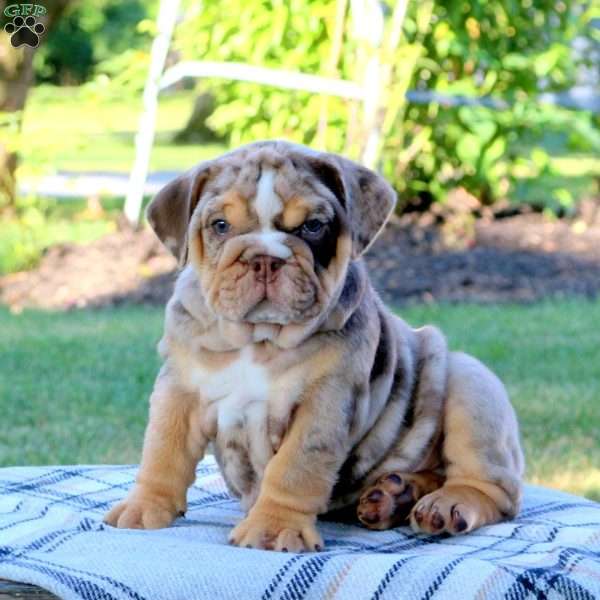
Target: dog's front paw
{"x":277,"y":528}
{"x":142,"y":510}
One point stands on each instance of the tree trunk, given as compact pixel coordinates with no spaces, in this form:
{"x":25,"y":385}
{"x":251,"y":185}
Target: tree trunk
{"x":196,"y":130}
{"x":16,"y":78}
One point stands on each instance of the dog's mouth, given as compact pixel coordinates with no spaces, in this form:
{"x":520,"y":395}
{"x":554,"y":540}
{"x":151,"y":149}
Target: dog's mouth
{"x":266,"y":311}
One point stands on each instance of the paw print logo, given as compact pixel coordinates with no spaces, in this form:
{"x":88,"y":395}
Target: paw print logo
{"x":24,"y":31}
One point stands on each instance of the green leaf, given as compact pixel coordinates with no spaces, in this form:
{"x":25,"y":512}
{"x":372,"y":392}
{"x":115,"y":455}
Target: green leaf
{"x":468,"y":148}
{"x":545,"y":62}
{"x":515,"y":62}
{"x":564,"y":197}
{"x":493,"y":153}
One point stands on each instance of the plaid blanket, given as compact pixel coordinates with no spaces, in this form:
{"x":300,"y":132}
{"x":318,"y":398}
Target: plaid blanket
{"x":51,"y":535}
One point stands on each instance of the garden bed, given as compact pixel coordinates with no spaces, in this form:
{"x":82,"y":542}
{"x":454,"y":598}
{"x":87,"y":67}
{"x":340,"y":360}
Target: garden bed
{"x":523,"y":257}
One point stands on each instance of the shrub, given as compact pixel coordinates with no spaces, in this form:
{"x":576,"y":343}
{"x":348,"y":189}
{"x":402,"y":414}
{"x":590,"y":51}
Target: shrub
{"x":507,"y":52}
{"x":90,"y":34}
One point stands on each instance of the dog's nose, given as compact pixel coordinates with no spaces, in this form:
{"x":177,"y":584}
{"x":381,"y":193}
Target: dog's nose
{"x":266,"y":267}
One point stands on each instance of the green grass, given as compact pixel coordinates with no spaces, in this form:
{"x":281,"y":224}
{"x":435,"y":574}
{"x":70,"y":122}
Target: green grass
{"x":71,"y":129}
{"x":45,"y":222}
{"x":74,"y":386}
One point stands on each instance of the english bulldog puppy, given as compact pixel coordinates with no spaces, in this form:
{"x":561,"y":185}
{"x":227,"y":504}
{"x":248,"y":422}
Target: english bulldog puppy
{"x":315,"y":397}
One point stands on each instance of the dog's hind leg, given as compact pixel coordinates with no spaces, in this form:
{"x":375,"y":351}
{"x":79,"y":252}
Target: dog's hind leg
{"x":481,"y":451}
{"x":388,"y":502}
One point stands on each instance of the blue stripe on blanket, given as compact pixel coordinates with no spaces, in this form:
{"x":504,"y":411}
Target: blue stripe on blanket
{"x":51,"y":534}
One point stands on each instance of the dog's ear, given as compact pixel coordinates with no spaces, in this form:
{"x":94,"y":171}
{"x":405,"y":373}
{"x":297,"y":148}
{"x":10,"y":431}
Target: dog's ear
{"x":171,"y":209}
{"x":366,"y":196}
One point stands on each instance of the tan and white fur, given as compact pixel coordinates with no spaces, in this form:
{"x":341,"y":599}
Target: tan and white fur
{"x":316,"y":398}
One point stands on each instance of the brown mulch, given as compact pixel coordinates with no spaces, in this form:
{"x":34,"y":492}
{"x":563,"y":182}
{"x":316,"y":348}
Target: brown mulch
{"x":124,"y":265}
{"x":520,"y":258}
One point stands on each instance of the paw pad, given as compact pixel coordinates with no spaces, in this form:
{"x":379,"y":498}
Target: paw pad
{"x":375,"y":495}
{"x":437,"y":521}
{"x":387,"y":503}
{"x":458,"y":520}
{"x":24,"y":32}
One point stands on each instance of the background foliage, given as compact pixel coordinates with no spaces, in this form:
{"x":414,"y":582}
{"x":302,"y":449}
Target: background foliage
{"x":508,"y":51}
{"x":505,"y":52}
{"x":90,"y":37}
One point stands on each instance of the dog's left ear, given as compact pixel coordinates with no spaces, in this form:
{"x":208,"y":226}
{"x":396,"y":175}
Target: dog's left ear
{"x":171,"y":209}
{"x":367,"y":197}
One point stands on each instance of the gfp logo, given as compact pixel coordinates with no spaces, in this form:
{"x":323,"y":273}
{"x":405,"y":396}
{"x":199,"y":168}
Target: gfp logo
{"x":24,"y":30}
{"x":24,"y":10}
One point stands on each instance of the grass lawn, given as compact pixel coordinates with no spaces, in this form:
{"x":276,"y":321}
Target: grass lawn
{"x":23,"y":240}
{"x":74,"y":386}
{"x":69,"y":129}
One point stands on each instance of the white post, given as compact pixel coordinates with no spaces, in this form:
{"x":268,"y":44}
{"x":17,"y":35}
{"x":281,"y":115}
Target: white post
{"x":368,"y":25}
{"x":377,"y":77}
{"x":144,"y":138}
{"x":371,"y":104}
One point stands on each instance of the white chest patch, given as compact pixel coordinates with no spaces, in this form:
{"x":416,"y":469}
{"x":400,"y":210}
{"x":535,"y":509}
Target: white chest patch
{"x":239,"y":391}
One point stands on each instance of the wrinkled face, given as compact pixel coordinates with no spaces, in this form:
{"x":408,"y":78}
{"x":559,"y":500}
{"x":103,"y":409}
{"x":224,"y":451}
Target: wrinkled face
{"x":270,"y":229}
{"x":270,"y":242}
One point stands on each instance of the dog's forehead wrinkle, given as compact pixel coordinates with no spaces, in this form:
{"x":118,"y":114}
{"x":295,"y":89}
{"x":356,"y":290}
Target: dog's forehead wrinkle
{"x":270,"y":157}
{"x":222,"y":180}
{"x":249,"y":172}
{"x":289,"y":182}
{"x":246,"y":186}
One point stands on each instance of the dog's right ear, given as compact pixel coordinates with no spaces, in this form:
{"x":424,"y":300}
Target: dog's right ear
{"x":171,"y":209}
{"x":367,"y":197}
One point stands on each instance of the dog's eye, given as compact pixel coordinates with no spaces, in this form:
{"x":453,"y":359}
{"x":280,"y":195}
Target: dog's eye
{"x":220,"y":226}
{"x":312,"y":227}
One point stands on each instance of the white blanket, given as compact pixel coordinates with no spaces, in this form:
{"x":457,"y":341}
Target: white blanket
{"x":51,"y":534}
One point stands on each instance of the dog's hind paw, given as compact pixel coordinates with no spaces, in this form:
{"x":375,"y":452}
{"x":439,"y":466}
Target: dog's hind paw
{"x":453,"y":509}
{"x":389,"y":501}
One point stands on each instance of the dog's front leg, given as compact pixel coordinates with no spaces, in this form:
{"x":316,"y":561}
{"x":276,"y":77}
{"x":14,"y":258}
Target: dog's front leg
{"x":173,"y":445}
{"x":298,"y":480}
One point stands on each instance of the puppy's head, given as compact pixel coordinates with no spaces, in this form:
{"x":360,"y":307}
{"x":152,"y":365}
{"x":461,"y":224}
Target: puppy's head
{"x":271,"y":228}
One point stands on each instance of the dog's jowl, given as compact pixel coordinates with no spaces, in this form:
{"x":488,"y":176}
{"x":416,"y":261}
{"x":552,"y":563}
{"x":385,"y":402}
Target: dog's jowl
{"x":315,"y":397}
